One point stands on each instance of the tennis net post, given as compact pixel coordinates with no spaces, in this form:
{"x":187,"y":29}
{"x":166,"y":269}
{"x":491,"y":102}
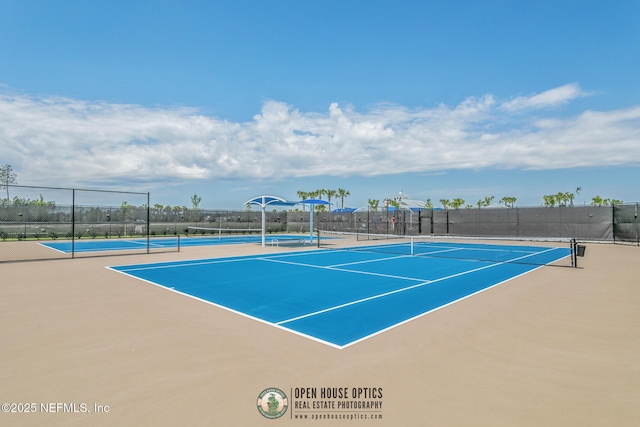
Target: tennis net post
{"x":577,"y":251}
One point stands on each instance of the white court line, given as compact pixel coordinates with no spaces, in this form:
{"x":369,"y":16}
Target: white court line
{"x":311,"y":337}
{"x":180,"y":264}
{"x":383,"y":259}
{"x":188,"y":263}
{"x":103,"y":249}
{"x":135,"y":242}
{"x":388,"y":328}
{"x":52,"y":248}
{"x":223,"y":307}
{"x":328,"y":267}
{"x":368,"y":260}
{"x":477,"y":248}
{"x":405,"y":289}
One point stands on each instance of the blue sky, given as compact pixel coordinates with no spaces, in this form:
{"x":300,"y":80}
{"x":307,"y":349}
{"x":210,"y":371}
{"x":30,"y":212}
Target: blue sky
{"x":231,"y":100}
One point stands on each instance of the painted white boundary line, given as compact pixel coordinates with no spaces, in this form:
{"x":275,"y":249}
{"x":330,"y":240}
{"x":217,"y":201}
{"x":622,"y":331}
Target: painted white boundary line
{"x":266,"y":322}
{"x":429,"y":282}
{"x":346,"y":270}
{"x":280,"y":323}
{"x":435,"y":309}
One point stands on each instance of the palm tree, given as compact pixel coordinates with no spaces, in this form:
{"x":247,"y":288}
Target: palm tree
{"x":342,"y":193}
{"x":508,"y":201}
{"x":564,"y":198}
{"x":318,"y":195}
{"x":303,"y":196}
{"x":157,"y":210}
{"x":599,"y":201}
{"x":330,"y":194}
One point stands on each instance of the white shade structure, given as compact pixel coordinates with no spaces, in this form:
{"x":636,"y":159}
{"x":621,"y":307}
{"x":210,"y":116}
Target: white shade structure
{"x":263,"y":202}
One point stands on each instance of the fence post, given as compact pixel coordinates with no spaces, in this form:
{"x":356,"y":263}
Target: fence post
{"x":148,"y":221}
{"x":636,"y":218}
{"x":431,"y":223}
{"x":613,"y":222}
{"x":447,"y":219}
{"x":73,"y":223}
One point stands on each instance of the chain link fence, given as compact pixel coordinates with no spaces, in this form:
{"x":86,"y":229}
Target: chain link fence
{"x":33,"y":218}
{"x":594,"y":223}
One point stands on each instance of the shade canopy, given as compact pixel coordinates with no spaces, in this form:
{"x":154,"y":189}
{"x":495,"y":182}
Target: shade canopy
{"x":263,"y":202}
{"x":269,"y":200}
{"x":314,"y":202}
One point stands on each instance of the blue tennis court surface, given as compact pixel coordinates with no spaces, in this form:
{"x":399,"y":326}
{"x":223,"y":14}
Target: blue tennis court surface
{"x":100,"y":245}
{"x":340,"y":297}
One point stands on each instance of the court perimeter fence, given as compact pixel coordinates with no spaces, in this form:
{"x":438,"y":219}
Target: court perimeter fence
{"x":614,"y":224}
{"x":37,"y":215}
{"x":31,"y":217}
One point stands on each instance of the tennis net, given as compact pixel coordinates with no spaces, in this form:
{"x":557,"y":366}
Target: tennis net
{"x":220,"y":232}
{"x":553,"y":252}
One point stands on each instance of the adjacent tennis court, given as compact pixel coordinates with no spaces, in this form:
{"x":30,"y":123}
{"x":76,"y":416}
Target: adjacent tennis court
{"x":120,"y":244}
{"x":340,"y":297}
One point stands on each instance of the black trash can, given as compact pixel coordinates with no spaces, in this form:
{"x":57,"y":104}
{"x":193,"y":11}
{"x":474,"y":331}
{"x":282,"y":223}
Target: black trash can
{"x":580,"y":249}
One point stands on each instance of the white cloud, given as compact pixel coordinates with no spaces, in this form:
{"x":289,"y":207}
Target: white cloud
{"x":72,"y":142}
{"x":550,"y":98}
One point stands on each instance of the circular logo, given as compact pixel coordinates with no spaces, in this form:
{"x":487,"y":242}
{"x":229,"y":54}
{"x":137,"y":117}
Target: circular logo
{"x":272,"y":403}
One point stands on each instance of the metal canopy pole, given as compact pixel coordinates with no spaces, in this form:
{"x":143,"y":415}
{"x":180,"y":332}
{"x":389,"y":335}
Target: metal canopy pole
{"x":264,"y":201}
{"x":148,"y":222}
{"x":312,"y":203}
{"x":73,"y":224}
{"x":311,"y":225}
{"x":264,"y":222}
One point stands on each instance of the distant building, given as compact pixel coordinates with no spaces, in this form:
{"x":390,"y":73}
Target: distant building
{"x":405,"y":202}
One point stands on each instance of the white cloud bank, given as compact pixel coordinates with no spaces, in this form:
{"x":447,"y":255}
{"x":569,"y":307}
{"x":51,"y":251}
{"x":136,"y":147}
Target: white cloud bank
{"x":70,"y":142}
